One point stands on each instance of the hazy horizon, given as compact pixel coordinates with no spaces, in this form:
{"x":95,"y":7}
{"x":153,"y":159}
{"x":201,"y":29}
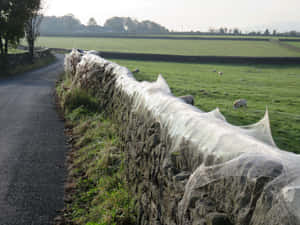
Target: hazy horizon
{"x":188,"y":15}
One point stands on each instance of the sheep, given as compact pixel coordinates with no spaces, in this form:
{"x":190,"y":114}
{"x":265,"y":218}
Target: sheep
{"x":220,"y":73}
{"x":136,"y":70}
{"x":240,"y":103}
{"x":188,"y":99}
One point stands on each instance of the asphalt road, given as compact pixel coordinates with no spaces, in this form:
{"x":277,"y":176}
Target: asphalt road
{"x":32,"y":148}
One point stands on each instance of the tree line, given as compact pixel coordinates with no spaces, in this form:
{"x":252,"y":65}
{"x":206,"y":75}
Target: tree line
{"x":69,"y":24}
{"x":236,"y":31}
{"x":17,"y":20}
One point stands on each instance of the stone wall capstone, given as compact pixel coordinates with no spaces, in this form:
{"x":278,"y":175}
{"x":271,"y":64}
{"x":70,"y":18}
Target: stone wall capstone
{"x":186,"y":166}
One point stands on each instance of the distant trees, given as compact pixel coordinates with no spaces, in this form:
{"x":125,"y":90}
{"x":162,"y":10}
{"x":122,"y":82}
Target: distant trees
{"x":126,"y":24}
{"x":92,"y":22}
{"x":293,"y":33}
{"x":70,"y":25}
{"x":115,"y":24}
{"x":236,"y":31}
{"x":267,"y":32}
{"x":60,"y":25}
{"x":13,"y":17}
{"x":224,"y":31}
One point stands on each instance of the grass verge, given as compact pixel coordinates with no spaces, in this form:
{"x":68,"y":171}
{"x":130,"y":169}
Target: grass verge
{"x":96,"y":192}
{"x":38,"y":63}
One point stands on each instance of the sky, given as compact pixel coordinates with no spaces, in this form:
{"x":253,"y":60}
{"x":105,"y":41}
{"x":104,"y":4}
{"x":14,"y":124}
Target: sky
{"x":185,"y":15}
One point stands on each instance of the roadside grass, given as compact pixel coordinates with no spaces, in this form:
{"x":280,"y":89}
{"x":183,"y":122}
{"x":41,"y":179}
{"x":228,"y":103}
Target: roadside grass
{"x":272,"y":86}
{"x":173,"y":47}
{"x":96,"y":190}
{"x":38,"y":63}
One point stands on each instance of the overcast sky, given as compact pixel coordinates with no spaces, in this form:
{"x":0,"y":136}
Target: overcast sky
{"x":185,"y":14}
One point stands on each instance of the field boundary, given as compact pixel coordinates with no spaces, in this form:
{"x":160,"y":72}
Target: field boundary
{"x":91,"y":35}
{"x":195,"y":59}
{"x":160,"y":37}
{"x":291,"y":40}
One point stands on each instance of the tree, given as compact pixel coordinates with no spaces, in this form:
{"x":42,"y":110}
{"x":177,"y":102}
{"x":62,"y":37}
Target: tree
{"x":274,"y":32}
{"x":212,"y":30}
{"x":115,"y":24}
{"x":60,"y":25}
{"x":221,"y":30}
{"x":13,"y":16}
{"x":127,"y":24}
{"x":267,"y":32}
{"x":32,"y":26}
{"x":293,"y":33}
{"x":252,"y":33}
{"x":70,"y":22}
{"x":11,"y":25}
{"x":92,"y":22}
{"x":148,"y":26}
{"x":236,"y":31}
{"x":4,"y":13}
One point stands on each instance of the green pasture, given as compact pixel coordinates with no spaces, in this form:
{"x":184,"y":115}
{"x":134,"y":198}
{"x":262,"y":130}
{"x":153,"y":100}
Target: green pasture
{"x":217,"y":36}
{"x":15,"y":51}
{"x":177,"y":47}
{"x":295,"y":44}
{"x":275,"y":87}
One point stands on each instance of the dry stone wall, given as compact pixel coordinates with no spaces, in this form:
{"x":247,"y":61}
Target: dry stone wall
{"x":24,"y":58}
{"x":186,"y":166}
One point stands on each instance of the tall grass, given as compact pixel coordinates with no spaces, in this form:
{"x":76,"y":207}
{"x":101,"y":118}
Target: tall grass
{"x":98,"y":192}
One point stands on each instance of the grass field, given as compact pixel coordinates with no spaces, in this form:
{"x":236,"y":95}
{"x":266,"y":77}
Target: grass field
{"x":15,"y":51}
{"x":177,"y":47}
{"x":295,"y":44}
{"x":221,"y":36}
{"x":274,"y":86}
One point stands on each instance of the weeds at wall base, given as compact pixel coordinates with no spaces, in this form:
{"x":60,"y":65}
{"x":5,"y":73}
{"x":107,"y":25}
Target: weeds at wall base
{"x":96,"y":191}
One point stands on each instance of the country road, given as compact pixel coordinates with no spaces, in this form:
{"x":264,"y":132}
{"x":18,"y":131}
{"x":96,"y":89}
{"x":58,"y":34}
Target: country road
{"x":32,"y":148}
